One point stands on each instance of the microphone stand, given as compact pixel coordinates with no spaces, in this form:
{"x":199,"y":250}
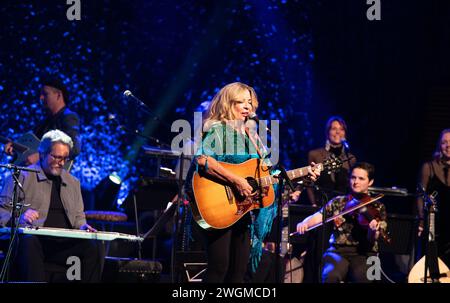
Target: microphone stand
{"x":346,"y":151}
{"x":283,"y":177}
{"x":431,"y":254}
{"x":139,"y":134}
{"x":145,"y":108}
{"x":16,"y":212}
{"x":177,"y":220}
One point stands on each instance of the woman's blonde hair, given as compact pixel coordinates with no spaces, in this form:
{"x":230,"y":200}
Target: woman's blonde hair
{"x":220,"y":107}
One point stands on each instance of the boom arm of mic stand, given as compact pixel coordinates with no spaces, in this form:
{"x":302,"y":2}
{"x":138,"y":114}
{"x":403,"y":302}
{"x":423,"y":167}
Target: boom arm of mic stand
{"x":18,"y":168}
{"x":147,"y":110}
{"x":139,"y":134}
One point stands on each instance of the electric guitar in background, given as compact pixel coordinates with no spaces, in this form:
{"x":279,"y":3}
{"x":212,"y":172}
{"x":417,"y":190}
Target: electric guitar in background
{"x":25,"y":146}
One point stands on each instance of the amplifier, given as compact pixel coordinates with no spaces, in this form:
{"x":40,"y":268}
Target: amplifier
{"x":131,"y":270}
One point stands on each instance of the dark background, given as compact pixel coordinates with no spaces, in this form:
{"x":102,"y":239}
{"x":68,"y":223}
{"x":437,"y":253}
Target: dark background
{"x":307,"y":60}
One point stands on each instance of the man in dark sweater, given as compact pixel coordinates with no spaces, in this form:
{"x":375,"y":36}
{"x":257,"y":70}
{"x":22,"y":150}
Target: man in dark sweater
{"x":54,"y":97}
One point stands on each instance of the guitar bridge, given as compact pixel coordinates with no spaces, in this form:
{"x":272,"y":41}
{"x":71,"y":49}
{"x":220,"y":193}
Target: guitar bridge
{"x":229,"y":193}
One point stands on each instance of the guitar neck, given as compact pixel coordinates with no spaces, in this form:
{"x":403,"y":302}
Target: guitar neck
{"x":432,"y":227}
{"x":292,"y":174}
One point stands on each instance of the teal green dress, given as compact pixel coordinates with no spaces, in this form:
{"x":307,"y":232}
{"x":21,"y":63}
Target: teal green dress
{"x":225,"y":144}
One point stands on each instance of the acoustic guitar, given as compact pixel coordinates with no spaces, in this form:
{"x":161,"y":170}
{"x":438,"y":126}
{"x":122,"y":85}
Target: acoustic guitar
{"x":217,"y":205}
{"x":417,"y":273}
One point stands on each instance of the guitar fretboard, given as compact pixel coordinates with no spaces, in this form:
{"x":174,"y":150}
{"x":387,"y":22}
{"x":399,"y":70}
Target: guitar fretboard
{"x":292,"y":174}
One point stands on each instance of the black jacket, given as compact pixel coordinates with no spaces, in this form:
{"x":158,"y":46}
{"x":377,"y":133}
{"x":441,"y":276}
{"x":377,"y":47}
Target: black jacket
{"x":66,"y":121}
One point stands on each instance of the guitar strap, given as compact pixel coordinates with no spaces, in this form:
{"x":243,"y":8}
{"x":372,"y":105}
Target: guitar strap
{"x":255,"y":144}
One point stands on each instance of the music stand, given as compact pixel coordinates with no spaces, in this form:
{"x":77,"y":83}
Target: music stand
{"x":162,"y":220}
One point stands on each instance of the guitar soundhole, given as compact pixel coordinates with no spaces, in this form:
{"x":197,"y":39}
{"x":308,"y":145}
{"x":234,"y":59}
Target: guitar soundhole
{"x":253,"y":184}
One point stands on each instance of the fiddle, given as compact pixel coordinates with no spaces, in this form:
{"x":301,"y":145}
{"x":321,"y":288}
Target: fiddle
{"x":364,"y":215}
{"x":370,"y":213}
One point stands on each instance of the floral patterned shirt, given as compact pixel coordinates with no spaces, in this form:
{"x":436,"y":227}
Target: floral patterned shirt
{"x":349,"y":232}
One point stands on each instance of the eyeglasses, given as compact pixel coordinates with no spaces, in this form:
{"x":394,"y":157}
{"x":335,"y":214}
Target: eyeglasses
{"x":59,"y":158}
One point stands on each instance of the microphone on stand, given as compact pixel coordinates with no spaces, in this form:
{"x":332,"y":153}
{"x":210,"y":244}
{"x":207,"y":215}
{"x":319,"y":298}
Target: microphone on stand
{"x":345,"y":144}
{"x":128,"y":94}
{"x":255,"y":118}
{"x":346,"y":151}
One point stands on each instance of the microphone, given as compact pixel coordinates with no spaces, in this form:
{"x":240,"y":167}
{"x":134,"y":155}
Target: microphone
{"x":128,"y":94}
{"x":255,"y":118}
{"x":345,"y":143}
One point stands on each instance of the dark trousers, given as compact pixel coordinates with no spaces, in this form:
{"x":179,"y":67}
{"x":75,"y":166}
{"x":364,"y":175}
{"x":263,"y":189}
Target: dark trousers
{"x":267,"y":271}
{"x":344,"y":264}
{"x":228,"y":252}
{"x":34,"y":253}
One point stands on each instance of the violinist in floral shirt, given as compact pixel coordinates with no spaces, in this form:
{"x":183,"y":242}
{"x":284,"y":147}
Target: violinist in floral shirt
{"x":355,"y":235}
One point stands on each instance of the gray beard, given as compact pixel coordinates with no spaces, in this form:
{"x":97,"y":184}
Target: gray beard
{"x":55,"y":172}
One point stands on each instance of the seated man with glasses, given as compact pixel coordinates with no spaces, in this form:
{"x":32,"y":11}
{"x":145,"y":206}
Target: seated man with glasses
{"x":52,"y":198}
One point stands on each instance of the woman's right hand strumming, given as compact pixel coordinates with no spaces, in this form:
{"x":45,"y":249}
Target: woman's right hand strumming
{"x":242,"y":186}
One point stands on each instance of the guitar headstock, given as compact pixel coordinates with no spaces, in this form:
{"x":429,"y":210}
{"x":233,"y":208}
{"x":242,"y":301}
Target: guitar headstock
{"x":332,"y":163}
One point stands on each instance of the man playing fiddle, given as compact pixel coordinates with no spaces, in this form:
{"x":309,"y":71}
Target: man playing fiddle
{"x":355,"y":235}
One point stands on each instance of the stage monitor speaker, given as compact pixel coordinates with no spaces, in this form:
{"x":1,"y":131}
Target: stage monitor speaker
{"x":192,"y":266}
{"x":400,"y":205}
{"x":131,"y":270}
{"x":397,"y":257}
{"x":402,"y":230}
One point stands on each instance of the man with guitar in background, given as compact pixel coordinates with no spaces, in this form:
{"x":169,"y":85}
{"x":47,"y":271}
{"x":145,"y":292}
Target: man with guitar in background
{"x":228,"y":248}
{"x":52,"y":199}
{"x":54,"y":97}
{"x":355,"y":235}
